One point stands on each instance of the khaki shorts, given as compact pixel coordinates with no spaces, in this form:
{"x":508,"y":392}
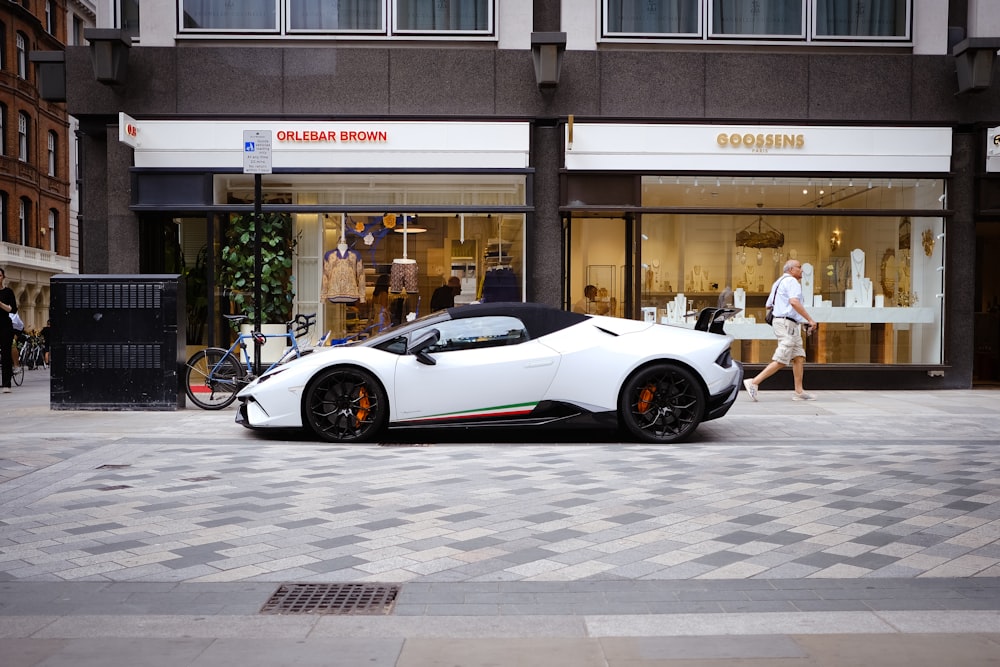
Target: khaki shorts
{"x":789,"y":334}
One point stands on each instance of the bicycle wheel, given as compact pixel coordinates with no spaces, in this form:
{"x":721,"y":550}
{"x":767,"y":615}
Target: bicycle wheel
{"x":213,"y":378}
{"x":18,"y":375}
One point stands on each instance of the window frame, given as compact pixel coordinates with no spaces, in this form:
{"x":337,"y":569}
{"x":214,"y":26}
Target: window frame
{"x":809,"y":34}
{"x":23,"y":214}
{"x":53,"y":223}
{"x":389,"y":28}
{"x":21,"y":45}
{"x":23,"y":131}
{"x":4,"y":201}
{"x":3,"y":129}
{"x":52,"y":140}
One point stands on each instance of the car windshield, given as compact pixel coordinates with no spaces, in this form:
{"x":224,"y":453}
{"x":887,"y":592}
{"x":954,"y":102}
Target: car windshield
{"x":384,"y":339}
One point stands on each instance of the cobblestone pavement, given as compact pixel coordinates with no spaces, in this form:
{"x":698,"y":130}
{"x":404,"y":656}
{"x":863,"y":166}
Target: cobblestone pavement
{"x":861,"y":512}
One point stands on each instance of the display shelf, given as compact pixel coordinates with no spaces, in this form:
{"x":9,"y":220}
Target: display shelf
{"x":918,"y":315}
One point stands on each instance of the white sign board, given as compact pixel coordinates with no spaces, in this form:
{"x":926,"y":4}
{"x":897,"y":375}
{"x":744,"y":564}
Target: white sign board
{"x":635,"y":147}
{"x":256,"y":151}
{"x":993,"y":149}
{"x":128,"y":130}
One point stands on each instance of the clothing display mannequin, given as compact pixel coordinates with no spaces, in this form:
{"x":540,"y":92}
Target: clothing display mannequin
{"x":343,"y":275}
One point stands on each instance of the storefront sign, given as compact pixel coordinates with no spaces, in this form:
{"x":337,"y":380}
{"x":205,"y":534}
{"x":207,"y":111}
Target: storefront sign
{"x":323,"y":144}
{"x":993,"y":149}
{"x":128,"y":130}
{"x":649,"y":147}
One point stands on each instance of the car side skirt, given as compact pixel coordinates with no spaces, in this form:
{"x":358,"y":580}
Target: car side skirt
{"x":537,"y":414}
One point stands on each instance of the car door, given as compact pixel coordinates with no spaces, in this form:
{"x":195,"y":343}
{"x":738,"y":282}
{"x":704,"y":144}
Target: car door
{"x":483,"y":367}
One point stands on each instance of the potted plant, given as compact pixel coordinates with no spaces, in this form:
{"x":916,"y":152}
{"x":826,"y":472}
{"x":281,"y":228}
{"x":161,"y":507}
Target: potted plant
{"x":236,"y":273}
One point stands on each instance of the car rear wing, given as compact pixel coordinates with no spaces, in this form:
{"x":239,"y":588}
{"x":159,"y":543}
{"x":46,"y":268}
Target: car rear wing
{"x":713,"y":320}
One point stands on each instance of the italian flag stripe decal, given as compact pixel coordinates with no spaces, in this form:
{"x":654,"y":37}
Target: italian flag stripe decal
{"x":495,"y":411}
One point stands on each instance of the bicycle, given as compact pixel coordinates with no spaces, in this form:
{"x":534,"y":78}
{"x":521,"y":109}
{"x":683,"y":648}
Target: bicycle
{"x":215,"y":375}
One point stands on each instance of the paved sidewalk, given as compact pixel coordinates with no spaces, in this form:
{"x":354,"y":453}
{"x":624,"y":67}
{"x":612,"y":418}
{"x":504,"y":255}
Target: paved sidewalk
{"x":862,"y":528}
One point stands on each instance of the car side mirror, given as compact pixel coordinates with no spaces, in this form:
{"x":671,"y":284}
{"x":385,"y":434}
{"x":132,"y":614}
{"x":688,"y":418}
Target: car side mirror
{"x":422,"y":343}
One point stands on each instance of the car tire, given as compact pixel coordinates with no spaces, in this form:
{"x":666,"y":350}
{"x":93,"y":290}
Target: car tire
{"x":345,"y":404}
{"x":661,"y":403}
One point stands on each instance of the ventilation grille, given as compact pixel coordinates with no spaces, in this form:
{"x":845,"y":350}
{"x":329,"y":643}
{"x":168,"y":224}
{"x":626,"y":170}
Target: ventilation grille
{"x":110,"y":295}
{"x":113,"y":356}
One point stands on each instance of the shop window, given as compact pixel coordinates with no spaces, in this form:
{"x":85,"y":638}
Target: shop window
{"x":873,"y":281}
{"x":366,"y":286}
{"x":801,"y":20}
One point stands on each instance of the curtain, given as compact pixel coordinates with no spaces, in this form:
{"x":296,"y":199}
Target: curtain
{"x":230,"y":14}
{"x":335,"y":14}
{"x":653,"y":16}
{"x":757,"y":17}
{"x":862,"y":18}
{"x":466,"y":15}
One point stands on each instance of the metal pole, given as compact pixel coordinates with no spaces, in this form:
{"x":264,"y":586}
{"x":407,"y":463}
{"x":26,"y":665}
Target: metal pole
{"x":258,"y":267}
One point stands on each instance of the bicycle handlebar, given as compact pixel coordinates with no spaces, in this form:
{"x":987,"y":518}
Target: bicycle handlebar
{"x":302,"y":323}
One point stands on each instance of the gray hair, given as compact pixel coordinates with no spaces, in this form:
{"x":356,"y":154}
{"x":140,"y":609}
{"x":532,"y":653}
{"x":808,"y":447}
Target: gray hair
{"x":788,"y":265}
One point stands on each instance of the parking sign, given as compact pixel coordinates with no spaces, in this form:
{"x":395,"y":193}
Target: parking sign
{"x":256,"y":151}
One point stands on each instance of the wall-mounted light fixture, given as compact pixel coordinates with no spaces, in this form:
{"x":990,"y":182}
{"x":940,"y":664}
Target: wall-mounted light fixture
{"x":834,"y":240}
{"x":109,"y":54}
{"x":547,"y":49}
{"x":974,"y":58}
{"x":51,"y":68}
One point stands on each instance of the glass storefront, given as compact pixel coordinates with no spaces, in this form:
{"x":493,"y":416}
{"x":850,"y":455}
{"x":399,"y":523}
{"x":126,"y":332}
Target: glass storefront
{"x":874,"y":260}
{"x":363,"y":260}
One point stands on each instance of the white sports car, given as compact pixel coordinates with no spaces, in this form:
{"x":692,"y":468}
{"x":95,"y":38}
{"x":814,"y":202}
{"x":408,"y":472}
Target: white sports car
{"x":505,"y":364}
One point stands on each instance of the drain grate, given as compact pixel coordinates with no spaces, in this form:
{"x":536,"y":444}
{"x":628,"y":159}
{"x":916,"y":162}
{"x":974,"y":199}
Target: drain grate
{"x":345,"y":599}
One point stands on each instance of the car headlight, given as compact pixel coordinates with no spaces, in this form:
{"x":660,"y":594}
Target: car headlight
{"x":267,"y":376}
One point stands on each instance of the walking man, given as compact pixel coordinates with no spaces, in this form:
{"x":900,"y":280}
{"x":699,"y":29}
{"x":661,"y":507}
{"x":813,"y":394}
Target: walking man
{"x":789,"y":318}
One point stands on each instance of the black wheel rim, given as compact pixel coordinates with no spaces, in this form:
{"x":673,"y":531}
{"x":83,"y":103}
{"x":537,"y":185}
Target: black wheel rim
{"x":345,"y":406}
{"x":665,"y":404}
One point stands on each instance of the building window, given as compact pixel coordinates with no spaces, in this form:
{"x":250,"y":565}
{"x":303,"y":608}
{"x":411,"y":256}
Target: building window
{"x":23,"y":125}
{"x":3,"y":216}
{"x":759,"y":18}
{"x":3,"y":129}
{"x":3,"y":46}
{"x":350,"y":17}
{"x":22,"y":55}
{"x":128,"y":17}
{"x":23,"y":214}
{"x":801,"y":20}
{"x":50,"y":18}
{"x":75,"y":37}
{"x":53,"y":152}
{"x":53,"y":223}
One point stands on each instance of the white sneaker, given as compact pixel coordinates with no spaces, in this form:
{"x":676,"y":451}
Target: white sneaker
{"x":804,"y":396}
{"x":751,"y":389}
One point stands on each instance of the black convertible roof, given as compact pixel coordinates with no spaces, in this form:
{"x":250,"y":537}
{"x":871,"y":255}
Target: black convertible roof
{"x":539,"y":319}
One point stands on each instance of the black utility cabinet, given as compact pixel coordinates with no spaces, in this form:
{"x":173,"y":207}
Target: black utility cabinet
{"x":118,"y":342}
